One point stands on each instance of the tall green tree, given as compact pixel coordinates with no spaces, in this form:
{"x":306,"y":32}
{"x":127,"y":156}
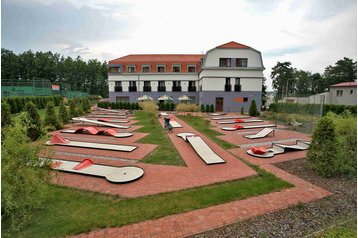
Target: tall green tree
{"x":51,"y":117}
{"x":283,"y":79}
{"x":344,"y":70}
{"x":303,"y":83}
{"x":33,"y":121}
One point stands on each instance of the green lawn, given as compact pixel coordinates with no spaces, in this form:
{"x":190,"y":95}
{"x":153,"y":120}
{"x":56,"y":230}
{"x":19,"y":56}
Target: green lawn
{"x":165,"y":153}
{"x":203,"y":126}
{"x":70,"y":211}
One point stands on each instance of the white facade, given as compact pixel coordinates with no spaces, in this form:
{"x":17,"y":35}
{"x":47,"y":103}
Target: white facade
{"x":343,"y":95}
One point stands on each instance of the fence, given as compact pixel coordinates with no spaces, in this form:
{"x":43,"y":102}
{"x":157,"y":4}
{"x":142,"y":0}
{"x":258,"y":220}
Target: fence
{"x":36,"y":87}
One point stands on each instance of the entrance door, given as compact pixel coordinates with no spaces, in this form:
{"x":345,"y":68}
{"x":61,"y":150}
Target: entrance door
{"x":219,"y":104}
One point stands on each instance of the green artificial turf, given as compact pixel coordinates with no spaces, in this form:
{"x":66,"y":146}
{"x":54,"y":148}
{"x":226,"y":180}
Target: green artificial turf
{"x":69,"y":211}
{"x":203,"y":126}
{"x":166,"y":152}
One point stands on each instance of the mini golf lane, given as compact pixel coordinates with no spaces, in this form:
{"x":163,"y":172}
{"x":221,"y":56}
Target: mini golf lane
{"x":163,"y":178}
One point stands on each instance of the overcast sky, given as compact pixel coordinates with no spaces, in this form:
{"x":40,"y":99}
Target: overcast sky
{"x":311,"y":34}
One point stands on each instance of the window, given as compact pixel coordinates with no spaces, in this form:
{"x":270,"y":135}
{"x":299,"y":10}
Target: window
{"x":241,"y":62}
{"x":176,"y":68}
{"x":176,"y":86}
{"x":131,"y":69}
{"x":237,"y":85}
{"x":160,"y":68}
{"x":118,"y":86}
{"x":145,"y":68}
{"x":225,"y":62}
{"x":161,"y":86}
{"x":227,"y":85}
{"x":351,"y":91}
{"x":245,"y":99}
{"x":339,"y":93}
{"x":114,"y":70}
{"x":147,"y":87}
{"x":227,"y":81}
{"x":191,"y":69}
{"x":122,"y":99}
{"x":192,"y":87}
{"x":132,"y":86}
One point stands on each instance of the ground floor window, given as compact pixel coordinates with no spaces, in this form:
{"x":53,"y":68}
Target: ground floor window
{"x":122,"y":99}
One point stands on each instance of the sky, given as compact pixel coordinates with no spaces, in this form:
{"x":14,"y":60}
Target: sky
{"x":311,"y":34}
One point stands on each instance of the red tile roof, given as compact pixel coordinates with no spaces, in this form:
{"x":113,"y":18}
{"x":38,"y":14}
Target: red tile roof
{"x":159,"y":58}
{"x":233,"y":45}
{"x":345,"y":84}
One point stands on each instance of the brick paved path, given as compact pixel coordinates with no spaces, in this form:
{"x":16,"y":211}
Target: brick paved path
{"x":197,"y":221}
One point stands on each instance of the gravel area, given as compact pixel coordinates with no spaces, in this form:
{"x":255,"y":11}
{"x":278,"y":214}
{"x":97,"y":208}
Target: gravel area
{"x":303,"y":219}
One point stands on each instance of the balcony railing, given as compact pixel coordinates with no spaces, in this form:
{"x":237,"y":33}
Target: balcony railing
{"x":132,"y":88}
{"x":227,"y":87}
{"x":147,"y":89}
{"x":161,"y":89}
{"x":118,"y":89}
{"x":237,"y":88}
{"x":176,"y":89}
{"x":192,"y":88}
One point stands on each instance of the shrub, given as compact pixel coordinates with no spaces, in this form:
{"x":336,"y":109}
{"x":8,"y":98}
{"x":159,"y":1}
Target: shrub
{"x":202,"y":108}
{"x":207,"y":108}
{"x":5,"y":114}
{"x":73,"y":112}
{"x":212,"y":108}
{"x":242,"y":112}
{"x":253,"y":109}
{"x":86,"y":105}
{"x":33,"y":122}
{"x":187,"y":107}
{"x":63,"y":113}
{"x":80,"y":111}
{"x":322,"y":154}
{"x":149,"y":106}
{"x":51,"y":117}
{"x":24,"y":183}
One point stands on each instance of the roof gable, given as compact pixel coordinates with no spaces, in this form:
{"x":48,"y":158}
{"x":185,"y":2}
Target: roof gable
{"x":345,"y":84}
{"x":233,"y":45}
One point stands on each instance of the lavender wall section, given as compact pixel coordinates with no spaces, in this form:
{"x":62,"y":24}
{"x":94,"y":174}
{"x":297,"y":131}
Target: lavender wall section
{"x":207,"y":97}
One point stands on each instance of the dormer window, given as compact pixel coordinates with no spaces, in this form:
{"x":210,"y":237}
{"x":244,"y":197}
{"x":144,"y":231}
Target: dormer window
{"x":176,"y":68}
{"x":225,"y":62}
{"x":241,"y":62}
{"x":160,"y":68}
{"x":131,"y":69}
{"x":191,"y":69}
{"x":145,"y":69}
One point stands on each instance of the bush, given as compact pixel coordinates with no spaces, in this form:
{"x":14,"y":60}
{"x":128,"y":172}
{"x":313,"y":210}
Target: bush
{"x":86,"y":105}
{"x":322,"y":155}
{"x":80,"y":111}
{"x":51,"y":117}
{"x":253,"y":109}
{"x":212,"y":108}
{"x":63,"y":113}
{"x":207,"y":108}
{"x":73,"y":112}
{"x":24,"y":183}
{"x":5,"y":114}
{"x":187,"y":107}
{"x":202,"y":108}
{"x":148,"y":106}
{"x":33,"y":122}
{"x":242,"y":112}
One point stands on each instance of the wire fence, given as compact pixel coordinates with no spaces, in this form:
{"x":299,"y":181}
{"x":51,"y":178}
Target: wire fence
{"x":37,"y":87}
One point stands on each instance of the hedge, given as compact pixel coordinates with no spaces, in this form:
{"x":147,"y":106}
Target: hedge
{"x":311,"y":108}
{"x":119,"y":105}
{"x":17,"y":104}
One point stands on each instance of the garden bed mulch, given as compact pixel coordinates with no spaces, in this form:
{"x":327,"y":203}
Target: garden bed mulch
{"x":303,"y":219}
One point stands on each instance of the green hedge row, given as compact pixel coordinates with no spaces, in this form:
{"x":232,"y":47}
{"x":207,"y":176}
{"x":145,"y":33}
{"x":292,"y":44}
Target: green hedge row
{"x":119,"y":105}
{"x":166,"y":106}
{"x":311,"y":108}
{"x":17,"y":104}
{"x":207,"y":108}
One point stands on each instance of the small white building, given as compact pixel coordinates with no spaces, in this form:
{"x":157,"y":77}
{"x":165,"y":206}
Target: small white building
{"x":228,"y":76}
{"x":343,"y":93}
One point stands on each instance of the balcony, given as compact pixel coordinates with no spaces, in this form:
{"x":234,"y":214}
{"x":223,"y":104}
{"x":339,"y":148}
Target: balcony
{"x":192,"y":88}
{"x":132,"y":88}
{"x":147,"y":89}
{"x":227,"y":87}
{"x":176,"y":89}
{"x":118,"y":89}
{"x":161,"y":89}
{"x":237,"y":88}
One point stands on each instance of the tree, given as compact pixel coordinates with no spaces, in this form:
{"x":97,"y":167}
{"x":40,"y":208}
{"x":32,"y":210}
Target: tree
{"x":263,"y":92}
{"x":282,"y":78}
{"x":33,"y":121}
{"x":63,"y":113}
{"x":24,"y":184}
{"x":344,"y":70}
{"x":322,"y":153}
{"x":73,"y":112}
{"x":51,"y":118}
{"x":5,"y":115}
{"x":303,"y":83}
{"x":253,"y":109}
